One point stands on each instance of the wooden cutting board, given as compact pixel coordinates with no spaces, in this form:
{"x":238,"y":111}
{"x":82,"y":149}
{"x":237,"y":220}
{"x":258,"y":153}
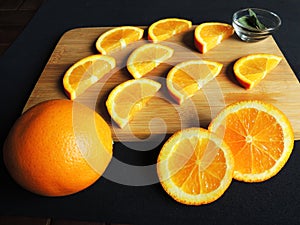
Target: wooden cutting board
{"x":162,"y":115}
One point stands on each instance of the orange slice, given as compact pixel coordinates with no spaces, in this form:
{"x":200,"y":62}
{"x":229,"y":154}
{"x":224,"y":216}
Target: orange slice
{"x":118,"y":38}
{"x":195,"y":166}
{"x":251,"y":69}
{"x":186,"y":78}
{"x":129,"y":97}
{"x":209,"y":35}
{"x":84,"y":73}
{"x":260,"y":137}
{"x":166,"y":28}
{"x":145,"y":58}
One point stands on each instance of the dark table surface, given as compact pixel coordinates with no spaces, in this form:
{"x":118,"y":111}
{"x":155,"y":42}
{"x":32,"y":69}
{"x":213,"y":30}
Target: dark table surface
{"x":276,"y":201}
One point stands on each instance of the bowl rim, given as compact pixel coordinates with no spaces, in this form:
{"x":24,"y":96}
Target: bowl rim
{"x":269,"y":29}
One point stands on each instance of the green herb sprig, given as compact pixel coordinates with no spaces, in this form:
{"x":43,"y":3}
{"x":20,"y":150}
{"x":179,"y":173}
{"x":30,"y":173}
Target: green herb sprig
{"x":251,"y":21}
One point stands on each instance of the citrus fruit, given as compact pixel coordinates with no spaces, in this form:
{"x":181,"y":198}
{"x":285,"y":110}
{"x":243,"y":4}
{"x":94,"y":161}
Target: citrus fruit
{"x":195,"y":166}
{"x":145,"y":58}
{"x":210,"y":34}
{"x":251,"y":69}
{"x":118,"y":38}
{"x":187,"y":77}
{"x":57,"y":148}
{"x":84,"y":73}
{"x":166,"y":28}
{"x":129,"y":97}
{"x":259,"y":135}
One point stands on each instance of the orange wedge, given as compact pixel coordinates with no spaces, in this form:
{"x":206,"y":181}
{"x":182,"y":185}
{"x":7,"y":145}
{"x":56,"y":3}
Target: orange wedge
{"x":251,"y":69}
{"x":260,"y":137}
{"x":186,"y":78}
{"x":130,"y":97}
{"x":209,"y":35}
{"x":145,"y":58}
{"x":166,"y":28}
{"x":118,"y":38}
{"x":195,"y":166}
{"x":84,"y":73}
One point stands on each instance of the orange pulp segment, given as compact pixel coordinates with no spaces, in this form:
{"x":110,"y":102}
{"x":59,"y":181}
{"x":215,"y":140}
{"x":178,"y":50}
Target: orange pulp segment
{"x":195,"y":167}
{"x":147,"y":57}
{"x":84,"y":73}
{"x":130,"y":97}
{"x":118,"y":38}
{"x":210,"y":34}
{"x":186,"y":78}
{"x":166,"y":28}
{"x":251,"y":69}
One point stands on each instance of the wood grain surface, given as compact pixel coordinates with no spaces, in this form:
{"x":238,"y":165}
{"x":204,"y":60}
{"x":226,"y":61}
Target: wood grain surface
{"x":162,"y":115}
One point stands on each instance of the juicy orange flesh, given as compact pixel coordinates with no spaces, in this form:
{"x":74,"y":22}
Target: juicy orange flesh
{"x":211,"y":34}
{"x":112,"y":41}
{"x":201,"y":164}
{"x":87,"y":70}
{"x":255,"y":138}
{"x":191,"y":78}
{"x":145,"y":61}
{"x":151,"y":54}
{"x":170,"y":28}
{"x":272,"y":63}
{"x":144,"y":67}
{"x":133,"y":98}
{"x":252,"y":67}
{"x":184,"y":82}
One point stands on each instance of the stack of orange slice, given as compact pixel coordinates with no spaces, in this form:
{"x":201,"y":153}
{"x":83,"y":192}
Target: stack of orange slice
{"x":250,"y":141}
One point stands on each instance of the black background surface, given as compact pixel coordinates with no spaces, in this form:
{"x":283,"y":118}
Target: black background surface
{"x":276,"y":201}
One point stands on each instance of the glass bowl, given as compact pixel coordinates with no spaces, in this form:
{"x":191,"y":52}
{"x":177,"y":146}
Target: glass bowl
{"x":270,"y":20}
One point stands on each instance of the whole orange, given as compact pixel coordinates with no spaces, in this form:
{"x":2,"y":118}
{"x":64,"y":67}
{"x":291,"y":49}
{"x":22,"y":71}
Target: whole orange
{"x":57,"y":148}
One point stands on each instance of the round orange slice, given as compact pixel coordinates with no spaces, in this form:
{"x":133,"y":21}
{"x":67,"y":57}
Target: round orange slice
{"x":259,"y":135}
{"x":210,"y":34}
{"x":147,"y":57}
{"x":84,"y":73}
{"x":118,"y":38}
{"x":195,"y":166}
{"x":251,"y":69}
{"x":130,"y":97}
{"x":166,"y":28}
{"x":186,"y":78}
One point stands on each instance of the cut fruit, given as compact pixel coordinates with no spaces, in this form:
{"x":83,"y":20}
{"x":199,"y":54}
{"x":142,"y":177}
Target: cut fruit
{"x":186,"y":78}
{"x":260,"y":137}
{"x":209,"y":35}
{"x":129,"y":97}
{"x":251,"y":69}
{"x":195,"y":166}
{"x":145,"y":58}
{"x":84,"y":73}
{"x":166,"y":28}
{"x":118,"y":38}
